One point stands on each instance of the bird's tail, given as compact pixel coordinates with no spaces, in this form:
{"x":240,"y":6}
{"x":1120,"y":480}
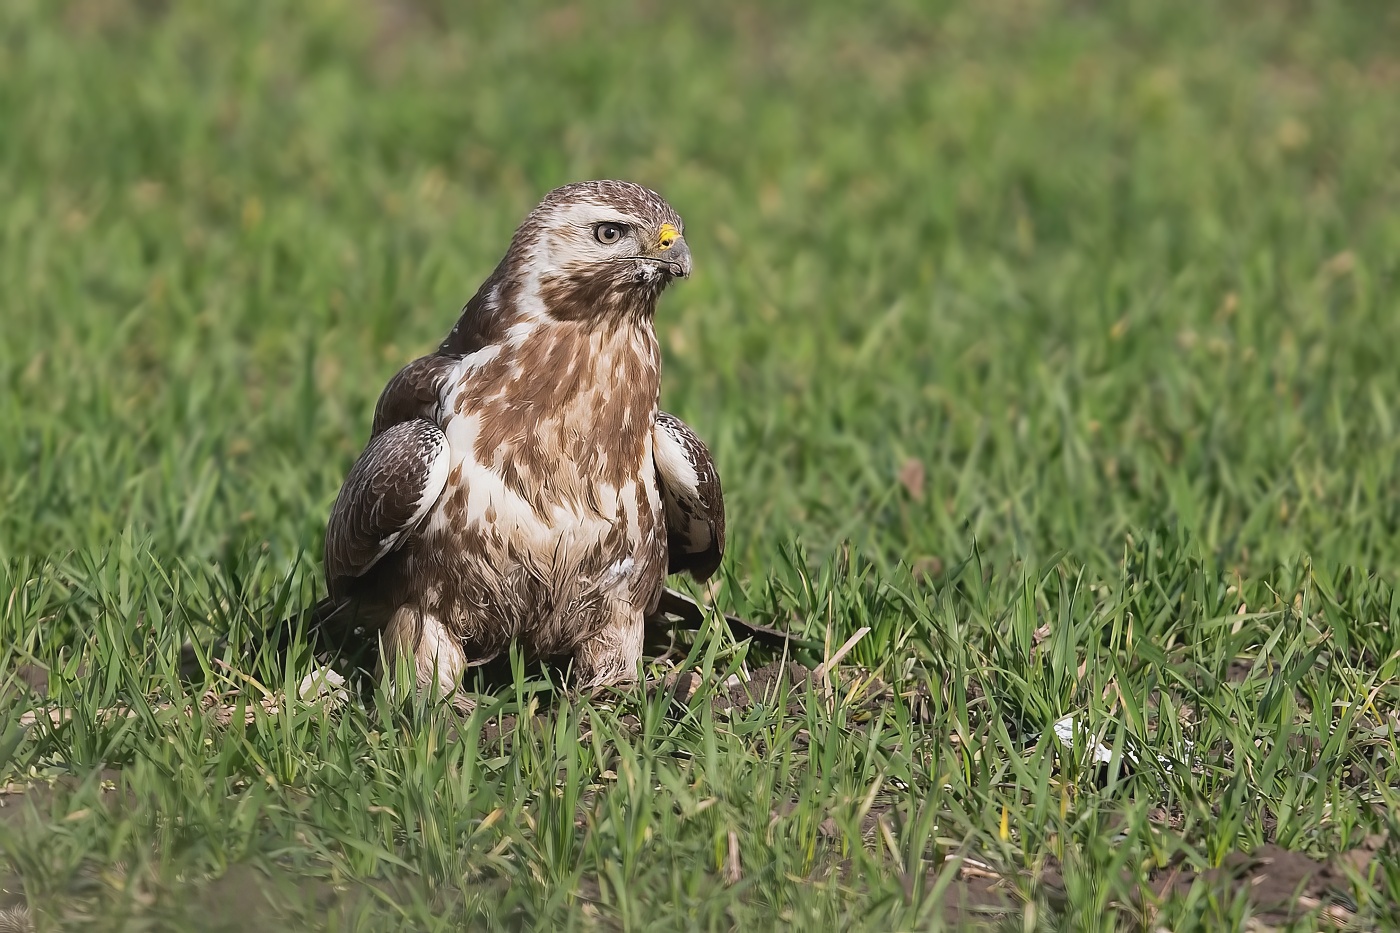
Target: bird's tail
{"x":692,"y":615}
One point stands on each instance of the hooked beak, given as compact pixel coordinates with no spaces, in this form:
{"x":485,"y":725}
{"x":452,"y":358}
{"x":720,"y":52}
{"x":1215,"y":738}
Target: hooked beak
{"x":676,"y":259}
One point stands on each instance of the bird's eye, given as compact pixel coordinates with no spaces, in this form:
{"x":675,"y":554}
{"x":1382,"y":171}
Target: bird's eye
{"x":608,"y":233}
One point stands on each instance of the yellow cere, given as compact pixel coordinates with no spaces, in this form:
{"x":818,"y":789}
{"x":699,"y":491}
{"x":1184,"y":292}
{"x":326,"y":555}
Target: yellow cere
{"x":667,"y":236}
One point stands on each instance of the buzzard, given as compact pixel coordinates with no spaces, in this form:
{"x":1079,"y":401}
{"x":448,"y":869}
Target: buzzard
{"x":520,"y":482}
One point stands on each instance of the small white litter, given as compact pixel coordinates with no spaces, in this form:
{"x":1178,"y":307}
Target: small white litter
{"x":323,"y":683}
{"x":1099,"y":752}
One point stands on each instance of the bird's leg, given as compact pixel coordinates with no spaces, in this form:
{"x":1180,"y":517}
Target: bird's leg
{"x":434,"y":654}
{"x":610,"y":655}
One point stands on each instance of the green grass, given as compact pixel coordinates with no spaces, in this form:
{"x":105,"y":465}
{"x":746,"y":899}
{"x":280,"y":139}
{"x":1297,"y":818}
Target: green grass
{"x":1086,"y":311}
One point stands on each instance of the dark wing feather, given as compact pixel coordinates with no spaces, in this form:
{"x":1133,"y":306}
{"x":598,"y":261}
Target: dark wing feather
{"x":691,"y":497}
{"x":414,"y":392}
{"x":390,"y":491}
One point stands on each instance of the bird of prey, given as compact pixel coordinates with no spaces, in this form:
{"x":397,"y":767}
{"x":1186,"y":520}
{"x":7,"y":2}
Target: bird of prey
{"x":520,"y":482}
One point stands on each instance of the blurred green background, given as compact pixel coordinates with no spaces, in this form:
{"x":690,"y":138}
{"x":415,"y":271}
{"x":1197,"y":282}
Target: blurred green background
{"x":1099,"y":292}
{"x":1090,"y":265}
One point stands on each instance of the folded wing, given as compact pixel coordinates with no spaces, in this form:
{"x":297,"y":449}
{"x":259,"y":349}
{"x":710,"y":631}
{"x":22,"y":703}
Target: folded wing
{"x":691,"y":497}
{"x":388,"y":495}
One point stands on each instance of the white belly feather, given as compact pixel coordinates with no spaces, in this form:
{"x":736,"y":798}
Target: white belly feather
{"x":567,"y":527}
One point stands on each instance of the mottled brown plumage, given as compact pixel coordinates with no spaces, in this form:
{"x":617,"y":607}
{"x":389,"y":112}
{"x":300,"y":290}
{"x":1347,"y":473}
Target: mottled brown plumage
{"x":520,"y":483}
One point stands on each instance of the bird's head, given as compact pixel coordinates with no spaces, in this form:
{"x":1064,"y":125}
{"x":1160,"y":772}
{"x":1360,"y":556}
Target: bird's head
{"x":597,"y":249}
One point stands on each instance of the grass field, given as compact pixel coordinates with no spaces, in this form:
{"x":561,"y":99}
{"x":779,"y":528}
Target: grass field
{"x":1053,"y":341}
